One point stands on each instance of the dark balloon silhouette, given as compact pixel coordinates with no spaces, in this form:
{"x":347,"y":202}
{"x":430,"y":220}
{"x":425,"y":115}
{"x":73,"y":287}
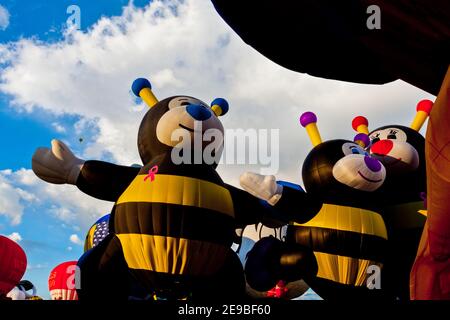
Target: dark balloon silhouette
{"x":339,"y":39}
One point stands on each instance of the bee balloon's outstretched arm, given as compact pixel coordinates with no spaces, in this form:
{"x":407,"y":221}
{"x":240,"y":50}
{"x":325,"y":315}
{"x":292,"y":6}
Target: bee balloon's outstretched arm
{"x":98,"y":179}
{"x":56,"y":165}
{"x":105,"y":181}
{"x":250,"y":210}
{"x":287,"y":201}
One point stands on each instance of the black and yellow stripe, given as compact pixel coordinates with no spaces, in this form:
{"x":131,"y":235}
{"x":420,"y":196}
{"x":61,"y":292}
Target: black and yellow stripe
{"x":345,"y":241}
{"x":172,"y":255}
{"x":177,"y":221}
{"x":179,"y":190}
{"x":174,"y":225}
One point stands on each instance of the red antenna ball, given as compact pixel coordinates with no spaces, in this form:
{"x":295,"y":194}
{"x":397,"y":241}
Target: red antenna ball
{"x":359,"y":120}
{"x":425,"y":105}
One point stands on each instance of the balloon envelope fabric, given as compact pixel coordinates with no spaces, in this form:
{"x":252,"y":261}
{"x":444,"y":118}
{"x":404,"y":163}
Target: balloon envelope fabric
{"x":61,"y":281}
{"x":98,"y":232}
{"x":13,"y":264}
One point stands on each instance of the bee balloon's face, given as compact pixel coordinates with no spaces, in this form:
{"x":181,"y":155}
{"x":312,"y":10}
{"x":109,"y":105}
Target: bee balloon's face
{"x":358,"y":170}
{"x":179,"y":122}
{"x":391,"y":145}
{"x":185,"y":117}
{"x":338,"y":163}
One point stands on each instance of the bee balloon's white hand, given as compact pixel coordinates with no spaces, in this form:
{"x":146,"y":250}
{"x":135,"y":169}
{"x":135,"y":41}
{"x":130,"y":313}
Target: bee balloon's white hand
{"x":56,"y":165}
{"x":262,"y":187}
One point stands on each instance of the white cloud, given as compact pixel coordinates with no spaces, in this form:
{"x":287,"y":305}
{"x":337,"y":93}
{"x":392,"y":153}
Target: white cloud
{"x":11,"y":204}
{"x":74,"y":238}
{"x":15,"y":236}
{"x":63,"y":214}
{"x":22,"y":189}
{"x":191,"y":52}
{"x":58,"y":127}
{"x":69,"y":248}
{"x":4,"y":18}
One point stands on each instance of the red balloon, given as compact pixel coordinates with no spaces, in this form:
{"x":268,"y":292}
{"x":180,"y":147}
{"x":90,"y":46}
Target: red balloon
{"x":61,"y":281}
{"x":13,"y":263}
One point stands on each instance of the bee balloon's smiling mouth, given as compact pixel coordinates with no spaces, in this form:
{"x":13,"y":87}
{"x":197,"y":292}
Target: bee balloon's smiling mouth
{"x":187,"y":128}
{"x":393,"y":162}
{"x":367,"y":179}
{"x":388,"y":161}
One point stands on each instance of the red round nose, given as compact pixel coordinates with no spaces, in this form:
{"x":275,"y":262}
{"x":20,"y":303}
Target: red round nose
{"x":382,"y":147}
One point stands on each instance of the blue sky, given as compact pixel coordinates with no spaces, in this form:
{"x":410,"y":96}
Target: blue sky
{"x":72,"y":84}
{"x":44,"y":238}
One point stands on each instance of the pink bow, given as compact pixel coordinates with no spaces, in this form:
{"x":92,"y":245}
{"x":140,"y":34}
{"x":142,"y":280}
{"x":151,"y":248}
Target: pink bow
{"x":151,"y":173}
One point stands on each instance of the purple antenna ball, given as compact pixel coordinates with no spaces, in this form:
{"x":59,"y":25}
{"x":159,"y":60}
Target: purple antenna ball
{"x":307,"y":118}
{"x":362,"y":137}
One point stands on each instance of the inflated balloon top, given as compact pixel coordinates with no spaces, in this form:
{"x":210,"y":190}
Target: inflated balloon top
{"x":61,"y":282}
{"x":13,"y":264}
{"x":97,"y":232}
{"x":405,"y":40}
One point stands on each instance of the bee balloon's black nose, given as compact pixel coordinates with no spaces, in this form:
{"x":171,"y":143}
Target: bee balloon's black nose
{"x":198,"y":112}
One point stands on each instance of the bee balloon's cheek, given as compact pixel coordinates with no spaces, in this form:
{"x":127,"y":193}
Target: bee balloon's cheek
{"x":359,"y":172}
{"x":382,"y":147}
{"x":184,"y":125}
{"x":401,"y":157}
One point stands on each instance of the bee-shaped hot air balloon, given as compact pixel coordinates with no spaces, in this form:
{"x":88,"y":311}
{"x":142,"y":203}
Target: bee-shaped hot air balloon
{"x":401,"y":149}
{"x":337,"y":239}
{"x":174,"y":219}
